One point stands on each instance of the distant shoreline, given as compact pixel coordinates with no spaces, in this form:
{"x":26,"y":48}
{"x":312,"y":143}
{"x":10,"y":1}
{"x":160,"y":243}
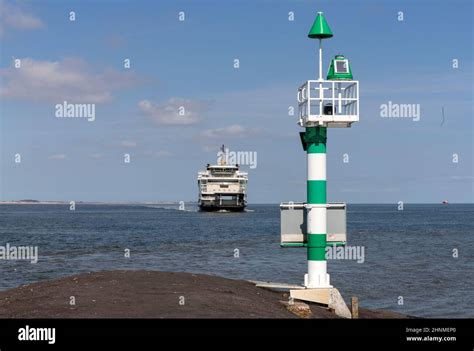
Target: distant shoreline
{"x":35,"y":202}
{"x":60,"y":202}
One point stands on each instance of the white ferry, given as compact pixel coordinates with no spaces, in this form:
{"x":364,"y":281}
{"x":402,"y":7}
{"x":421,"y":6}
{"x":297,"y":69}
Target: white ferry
{"x":222,"y":187}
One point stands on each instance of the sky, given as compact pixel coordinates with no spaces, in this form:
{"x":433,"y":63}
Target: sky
{"x":182,"y":55}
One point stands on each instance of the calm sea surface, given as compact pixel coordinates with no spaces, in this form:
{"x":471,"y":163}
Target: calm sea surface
{"x":408,"y":253}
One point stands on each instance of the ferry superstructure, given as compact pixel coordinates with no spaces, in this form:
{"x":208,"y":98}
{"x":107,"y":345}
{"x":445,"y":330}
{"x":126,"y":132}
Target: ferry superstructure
{"x":222,"y":187}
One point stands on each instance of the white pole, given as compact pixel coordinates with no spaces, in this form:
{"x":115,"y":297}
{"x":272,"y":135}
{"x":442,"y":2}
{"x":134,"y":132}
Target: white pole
{"x":317,"y":276}
{"x":320,"y":77}
{"x":320,"y":60}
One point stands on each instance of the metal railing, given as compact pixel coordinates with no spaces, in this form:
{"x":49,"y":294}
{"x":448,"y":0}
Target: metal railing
{"x":328,"y":102}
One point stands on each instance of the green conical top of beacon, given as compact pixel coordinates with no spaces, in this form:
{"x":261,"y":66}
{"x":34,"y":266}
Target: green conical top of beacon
{"x":320,"y":28}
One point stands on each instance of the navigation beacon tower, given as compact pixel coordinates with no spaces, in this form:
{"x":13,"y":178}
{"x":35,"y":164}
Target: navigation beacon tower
{"x":323,"y":103}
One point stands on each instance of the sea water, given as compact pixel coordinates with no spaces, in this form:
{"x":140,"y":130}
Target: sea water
{"x":418,"y":261}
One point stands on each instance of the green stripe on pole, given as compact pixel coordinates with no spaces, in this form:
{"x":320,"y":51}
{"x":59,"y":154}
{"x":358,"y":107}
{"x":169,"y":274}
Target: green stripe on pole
{"x":316,"y":148}
{"x":316,"y":253}
{"x":316,"y":240}
{"x":316,"y":135}
{"x":316,"y":247}
{"x":316,"y":191}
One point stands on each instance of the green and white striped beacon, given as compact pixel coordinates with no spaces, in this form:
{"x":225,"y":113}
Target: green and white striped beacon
{"x":315,"y":138}
{"x":322,"y":103}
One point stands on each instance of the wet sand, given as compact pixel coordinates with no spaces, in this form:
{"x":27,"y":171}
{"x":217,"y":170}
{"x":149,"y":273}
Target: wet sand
{"x":153,"y":294}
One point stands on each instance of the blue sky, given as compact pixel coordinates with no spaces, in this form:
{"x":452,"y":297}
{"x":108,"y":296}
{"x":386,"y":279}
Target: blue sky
{"x":190,"y":63}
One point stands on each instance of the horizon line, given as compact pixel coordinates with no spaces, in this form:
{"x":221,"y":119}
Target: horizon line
{"x":165,"y":202}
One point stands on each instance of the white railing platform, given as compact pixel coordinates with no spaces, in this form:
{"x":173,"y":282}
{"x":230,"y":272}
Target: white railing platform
{"x":330,"y":103}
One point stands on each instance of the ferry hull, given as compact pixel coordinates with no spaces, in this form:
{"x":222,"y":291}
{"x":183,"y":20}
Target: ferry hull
{"x":215,"y":208}
{"x":234,"y":205}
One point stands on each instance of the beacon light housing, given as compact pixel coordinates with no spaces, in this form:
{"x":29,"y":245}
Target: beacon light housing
{"x":339,"y":69}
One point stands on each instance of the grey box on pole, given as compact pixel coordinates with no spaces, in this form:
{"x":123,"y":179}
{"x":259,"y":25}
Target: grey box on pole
{"x":293,"y":222}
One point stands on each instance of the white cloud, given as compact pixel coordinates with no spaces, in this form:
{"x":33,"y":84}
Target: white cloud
{"x":176,"y":111}
{"x":233,"y":131}
{"x":68,"y":80}
{"x":57,"y":157}
{"x":11,"y":16}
